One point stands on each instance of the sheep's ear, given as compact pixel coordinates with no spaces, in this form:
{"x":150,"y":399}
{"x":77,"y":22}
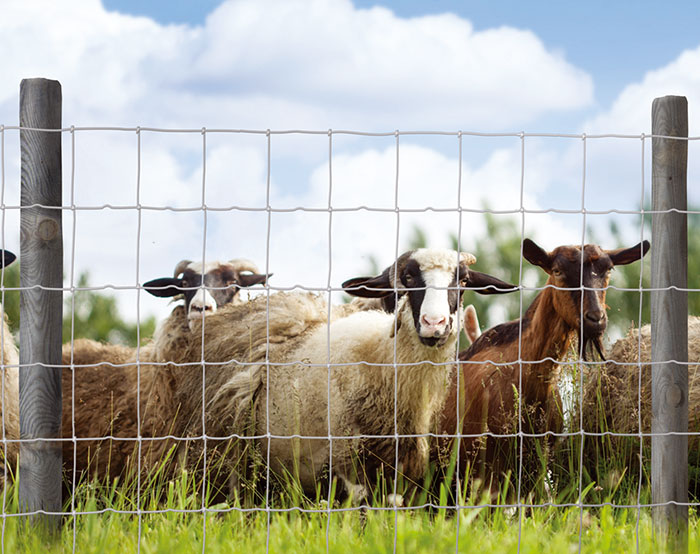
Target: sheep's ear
{"x":250,"y":279}
{"x":164,"y":287}
{"x":488,"y":284}
{"x":360,"y":286}
{"x":6,"y":258}
{"x":536,"y":255}
{"x":624,"y":256}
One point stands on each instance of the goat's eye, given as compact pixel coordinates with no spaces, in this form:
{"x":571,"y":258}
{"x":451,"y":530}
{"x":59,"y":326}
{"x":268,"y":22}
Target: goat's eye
{"x":556,"y":272}
{"x":410,"y":281}
{"x":185,"y":283}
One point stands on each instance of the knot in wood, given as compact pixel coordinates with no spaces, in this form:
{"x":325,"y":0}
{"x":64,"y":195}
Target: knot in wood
{"x":47,"y":229}
{"x":674,"y":396}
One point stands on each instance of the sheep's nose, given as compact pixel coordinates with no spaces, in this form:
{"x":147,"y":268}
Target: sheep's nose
{"x":432,"y":326}
{"x":197,"y":310}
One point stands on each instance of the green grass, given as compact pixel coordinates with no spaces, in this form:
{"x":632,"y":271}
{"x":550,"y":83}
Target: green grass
{"x":483,"y":530}
{"x":242,"y":525}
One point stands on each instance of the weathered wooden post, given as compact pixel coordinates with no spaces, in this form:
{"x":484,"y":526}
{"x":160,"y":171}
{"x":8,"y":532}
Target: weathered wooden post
{"x":41,"y":259}
{"x":669,"y":321}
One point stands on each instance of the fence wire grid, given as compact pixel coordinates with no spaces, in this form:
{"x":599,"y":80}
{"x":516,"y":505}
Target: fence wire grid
{"x":330,"y":292}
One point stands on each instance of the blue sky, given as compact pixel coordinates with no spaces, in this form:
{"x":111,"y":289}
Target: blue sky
{"x":616,"y":42}
{"x":495,"y":67}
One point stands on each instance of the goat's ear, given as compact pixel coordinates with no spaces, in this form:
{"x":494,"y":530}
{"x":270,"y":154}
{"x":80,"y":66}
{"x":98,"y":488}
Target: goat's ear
{"x":6,"y":258}
{"x":164,"y":287}
{"x":360,"y":286}
{"x":471,"y":323}
{"x":488,"y":284}
{"x":624,"y":256}
{"x":250,"y":279}
{"x":536,"y":255}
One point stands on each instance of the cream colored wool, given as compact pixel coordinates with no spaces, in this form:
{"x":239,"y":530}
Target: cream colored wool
{"x":611,"y":396}
{"x":10,"y":384}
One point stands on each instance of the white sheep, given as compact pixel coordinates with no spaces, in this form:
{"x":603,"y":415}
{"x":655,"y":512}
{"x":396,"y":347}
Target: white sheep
{"x":375,"y":356}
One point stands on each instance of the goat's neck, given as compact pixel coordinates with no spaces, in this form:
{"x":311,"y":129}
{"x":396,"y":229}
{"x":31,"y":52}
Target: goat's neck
{"x":546,"y":335}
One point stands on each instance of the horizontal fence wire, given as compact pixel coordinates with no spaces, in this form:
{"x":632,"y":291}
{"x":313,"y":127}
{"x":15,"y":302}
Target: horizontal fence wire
{"x":521,"y":505}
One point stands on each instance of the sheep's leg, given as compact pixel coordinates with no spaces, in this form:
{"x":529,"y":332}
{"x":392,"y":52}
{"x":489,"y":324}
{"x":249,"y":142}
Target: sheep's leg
{"x":356,"y":493}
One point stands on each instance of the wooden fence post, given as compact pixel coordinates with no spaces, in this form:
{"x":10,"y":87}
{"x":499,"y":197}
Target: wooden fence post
{"x":41,"y":310}
{"x":669,"y":322}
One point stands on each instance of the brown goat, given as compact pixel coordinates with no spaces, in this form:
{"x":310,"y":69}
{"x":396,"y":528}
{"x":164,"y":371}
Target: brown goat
{"x":494,"y":388}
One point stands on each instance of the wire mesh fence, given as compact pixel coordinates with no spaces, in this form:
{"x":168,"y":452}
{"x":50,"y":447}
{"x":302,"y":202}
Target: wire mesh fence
{"x":291,"y":391}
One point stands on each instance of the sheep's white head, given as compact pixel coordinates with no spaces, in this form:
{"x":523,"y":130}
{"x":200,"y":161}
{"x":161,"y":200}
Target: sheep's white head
{"x":434,"y":281}
{"x":207,"y":287}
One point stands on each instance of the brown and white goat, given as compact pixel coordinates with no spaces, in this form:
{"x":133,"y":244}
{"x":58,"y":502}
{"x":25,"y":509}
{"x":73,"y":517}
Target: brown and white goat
{"x":494,"y":388}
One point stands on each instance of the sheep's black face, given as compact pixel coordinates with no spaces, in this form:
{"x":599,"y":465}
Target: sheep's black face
{"x":204,"y":289}
{"x":219,"y":288}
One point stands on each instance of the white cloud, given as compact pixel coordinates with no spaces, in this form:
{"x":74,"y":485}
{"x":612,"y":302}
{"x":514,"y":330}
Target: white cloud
{"x":284,"y":64}
{"x":631,"y":111}
{"x":280,"y":63}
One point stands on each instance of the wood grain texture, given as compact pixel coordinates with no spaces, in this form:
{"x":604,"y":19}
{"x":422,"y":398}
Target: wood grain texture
{"x":669,"y":320}
{"x":41,"y":255}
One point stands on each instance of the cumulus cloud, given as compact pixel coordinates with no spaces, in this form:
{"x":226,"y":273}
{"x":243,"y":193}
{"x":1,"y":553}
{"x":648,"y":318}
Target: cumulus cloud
{"x":285,"y":64}
{"x":282,"y":63}
{"x":623,"y":166}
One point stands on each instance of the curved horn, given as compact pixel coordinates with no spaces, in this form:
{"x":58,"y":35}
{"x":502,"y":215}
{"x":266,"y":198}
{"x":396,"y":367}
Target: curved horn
{"x":467,"y":258}
{"x":240,"y":264}
{"x":181,"y":266}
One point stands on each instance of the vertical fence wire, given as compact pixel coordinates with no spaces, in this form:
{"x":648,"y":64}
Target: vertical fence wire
{"x":328,"y":337}
{"x":2,"y":288}
{"x":203,"y":361}
{"x":268,"y":434}
{"x":458,"y":367}
{"x":138,"y":340}
{"x":2,"y":341}
{"x":581,"y":346}
{"x":520,"y":437}
{"x":395,"y":350}
{"x":72,"y":336}
{"x":638,"y":368}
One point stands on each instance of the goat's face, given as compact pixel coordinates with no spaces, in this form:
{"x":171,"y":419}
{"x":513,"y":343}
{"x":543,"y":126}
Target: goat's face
{"x":580,"y":278}
{"x":207,"y":288}
{"x":434,"y":281}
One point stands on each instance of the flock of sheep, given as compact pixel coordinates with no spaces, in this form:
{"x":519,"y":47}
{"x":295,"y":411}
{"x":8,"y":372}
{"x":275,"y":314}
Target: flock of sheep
{"x":285,"y":372}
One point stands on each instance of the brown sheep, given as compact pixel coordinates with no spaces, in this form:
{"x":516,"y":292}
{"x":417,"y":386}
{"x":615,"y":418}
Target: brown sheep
{"x":105,"y":378}
{"x":611,"y":402}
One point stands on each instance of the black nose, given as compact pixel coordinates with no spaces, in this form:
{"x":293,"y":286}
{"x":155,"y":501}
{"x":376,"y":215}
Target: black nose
{"x":594,"y":316}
